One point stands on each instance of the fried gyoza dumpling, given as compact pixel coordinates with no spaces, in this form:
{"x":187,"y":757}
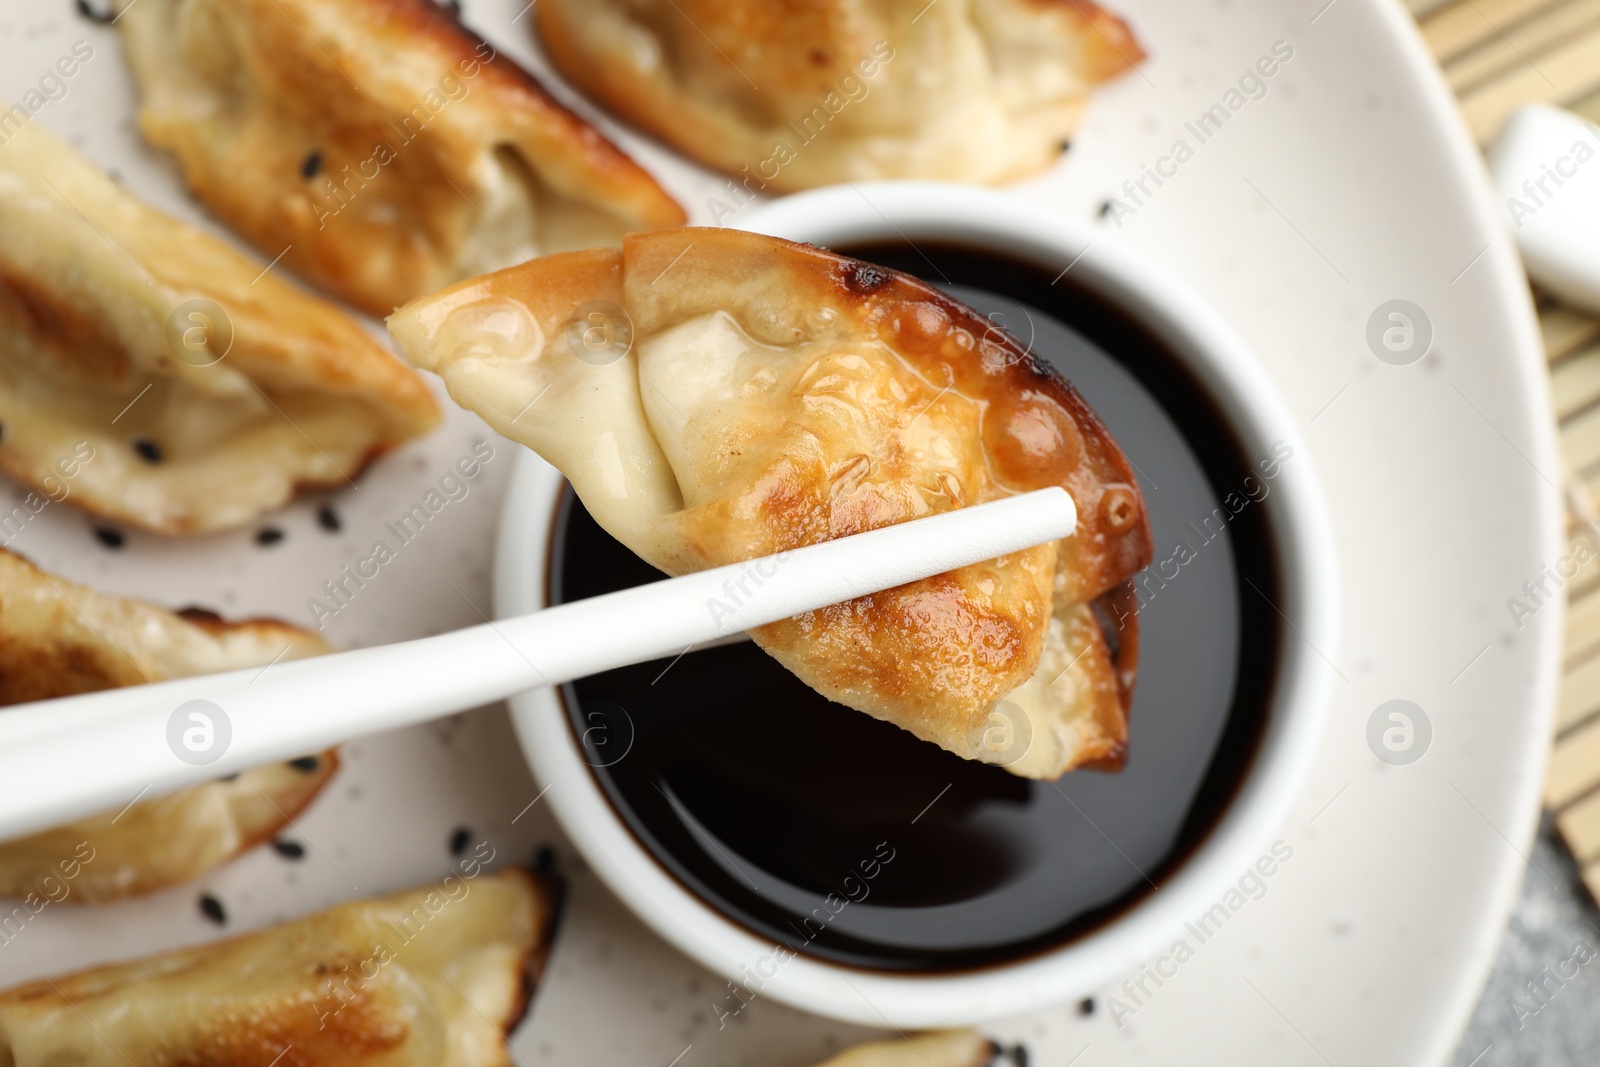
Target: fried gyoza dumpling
{"x":387,"y":148}
{"x":431,"y":977}
{"x":205,"y":389}
{"x":58,"y":639}
{"x":773,"y":395}
{"x":938,"y":1048}
{"x":787,"y":95}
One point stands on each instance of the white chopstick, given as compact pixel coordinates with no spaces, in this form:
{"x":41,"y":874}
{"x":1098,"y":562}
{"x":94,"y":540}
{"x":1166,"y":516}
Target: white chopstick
{"x":66,"y":758}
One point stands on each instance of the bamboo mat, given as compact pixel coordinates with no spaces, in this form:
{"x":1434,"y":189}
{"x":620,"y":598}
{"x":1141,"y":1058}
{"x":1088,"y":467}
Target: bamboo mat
{"x":1498,"y":55}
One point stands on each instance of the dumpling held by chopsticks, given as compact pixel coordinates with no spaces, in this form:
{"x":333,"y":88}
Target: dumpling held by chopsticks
{"x":716,"y":395}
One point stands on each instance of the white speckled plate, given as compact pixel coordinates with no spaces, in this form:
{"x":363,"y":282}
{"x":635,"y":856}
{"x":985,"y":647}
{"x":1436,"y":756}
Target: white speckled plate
{"x":1348,"y":184}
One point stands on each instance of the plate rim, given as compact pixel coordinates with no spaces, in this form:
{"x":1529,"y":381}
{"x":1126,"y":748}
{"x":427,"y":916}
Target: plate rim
{"x":1468,"y":171}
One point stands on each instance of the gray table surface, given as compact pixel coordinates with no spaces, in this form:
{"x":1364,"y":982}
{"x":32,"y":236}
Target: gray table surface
{"x":1555,"y":921}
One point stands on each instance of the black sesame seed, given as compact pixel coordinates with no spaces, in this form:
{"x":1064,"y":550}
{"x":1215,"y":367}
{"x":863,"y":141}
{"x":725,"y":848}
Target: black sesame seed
{"x":544,"y":860}
{"x":1066,"y":145}
{"x":148,"y":450}
{"x":211,"y":908}
{"x":109,"y":536}
{"x":305,"y":764}
{"x":328,"y":519}
{"x":102,"y":17}
{"x":228,"y":778}
{"x":459,"y":840}
{"x":1105,"y":209}
{"x":289,"y":850}
{"x":1086,"y":1006}
{"x":312,"y":164}
{"x":268,"y":535}
{"x":2,"y":431}
{"x":453,"y":6}
{"x":1019,"y":1055}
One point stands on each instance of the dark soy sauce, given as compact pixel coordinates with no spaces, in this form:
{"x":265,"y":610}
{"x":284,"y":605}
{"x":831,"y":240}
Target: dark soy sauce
{"x":763,"y":798}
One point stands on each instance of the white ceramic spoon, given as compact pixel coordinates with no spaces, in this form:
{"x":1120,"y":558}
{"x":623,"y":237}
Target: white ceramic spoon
{"x":1546,"y":163}
{"x":61,"y":759}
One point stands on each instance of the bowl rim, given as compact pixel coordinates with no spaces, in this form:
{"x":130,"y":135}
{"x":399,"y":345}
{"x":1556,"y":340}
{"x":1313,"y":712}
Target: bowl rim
{"x":1300,"y":525}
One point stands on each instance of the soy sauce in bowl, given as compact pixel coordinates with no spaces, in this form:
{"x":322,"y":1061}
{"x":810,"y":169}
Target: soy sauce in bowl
{"x":845,"y":838}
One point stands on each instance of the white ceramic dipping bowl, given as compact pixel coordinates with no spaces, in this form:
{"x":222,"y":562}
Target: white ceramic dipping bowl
{"x":1299,"y":526}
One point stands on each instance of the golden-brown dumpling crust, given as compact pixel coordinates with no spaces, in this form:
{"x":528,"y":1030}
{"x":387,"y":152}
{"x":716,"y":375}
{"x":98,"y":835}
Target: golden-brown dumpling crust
{"x":380,"y":146}
{"x":100,"y":296}
{"x":777,"y":395}
{"x":162,"y":842}
{"x":1024,"y":426}
{"x":904,"y":403}
{"x":58,"y":638}
{"x":429,"y":977}
{"x":791,"y":94}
